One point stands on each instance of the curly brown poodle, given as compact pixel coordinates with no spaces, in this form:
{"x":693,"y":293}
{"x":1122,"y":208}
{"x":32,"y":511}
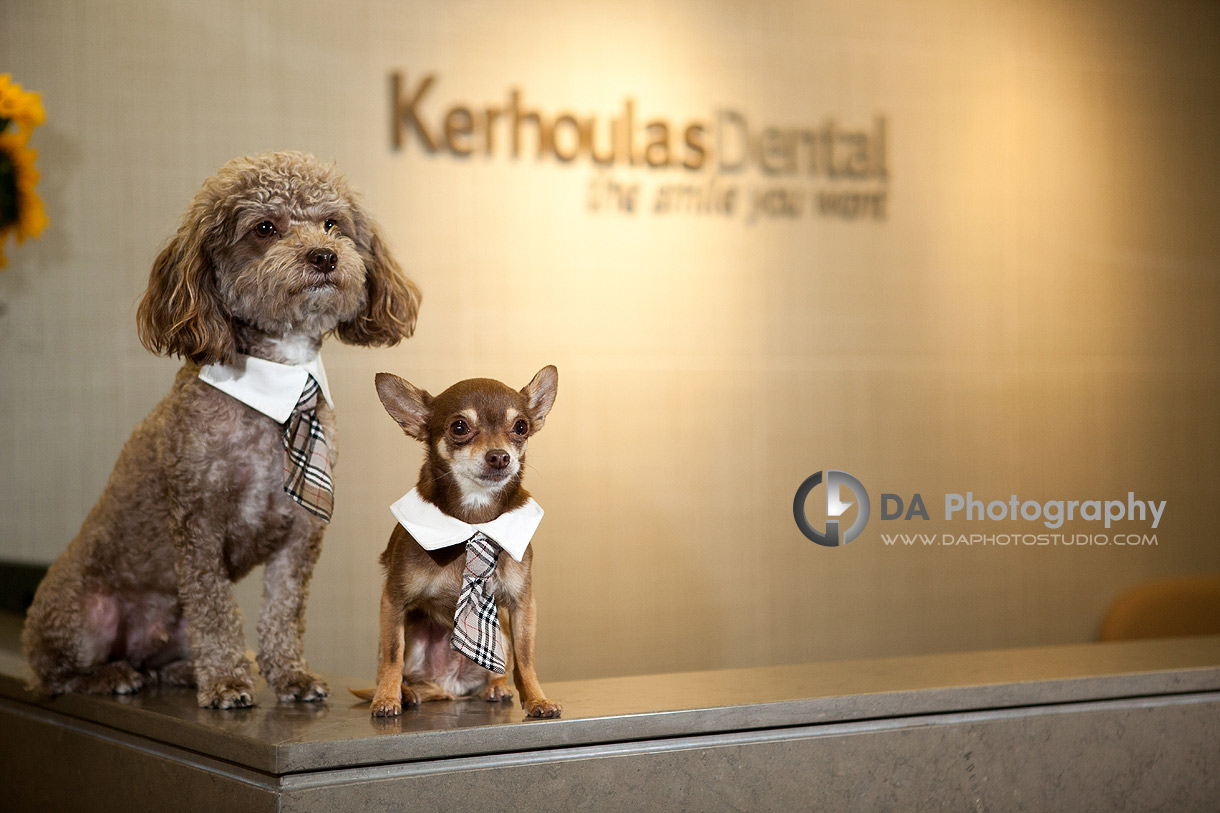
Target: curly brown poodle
{"x":275,"y":253}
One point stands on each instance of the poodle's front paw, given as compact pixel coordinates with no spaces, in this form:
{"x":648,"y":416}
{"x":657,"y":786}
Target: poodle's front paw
{"x":226,"y":694}
{"x":302,"y":687}
{"x":178,"y":673}
{"x":116,"y":677}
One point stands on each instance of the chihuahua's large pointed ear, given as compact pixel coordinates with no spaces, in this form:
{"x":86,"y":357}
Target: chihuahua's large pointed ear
{"x":407,"y":404}
{"x":540,"y":394}
{"x":180,"y":314}
{"x":393,"y":300}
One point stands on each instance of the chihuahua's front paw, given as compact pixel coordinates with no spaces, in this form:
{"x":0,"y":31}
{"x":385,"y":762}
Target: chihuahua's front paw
{"x":387,"y":705}
{"x":304,"y":687}
{"x":497,"y":692}
{"x":541,"y":708}
{"x":226,"y":694}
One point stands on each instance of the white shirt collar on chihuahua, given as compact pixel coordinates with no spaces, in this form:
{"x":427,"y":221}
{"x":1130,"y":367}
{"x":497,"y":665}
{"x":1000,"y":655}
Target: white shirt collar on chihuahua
{"x":270,"y":387}
{"x":433,"y":529}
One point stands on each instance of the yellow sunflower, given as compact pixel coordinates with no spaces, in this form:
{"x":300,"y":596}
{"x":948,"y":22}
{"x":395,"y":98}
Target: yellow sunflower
{"x":21,"y":211}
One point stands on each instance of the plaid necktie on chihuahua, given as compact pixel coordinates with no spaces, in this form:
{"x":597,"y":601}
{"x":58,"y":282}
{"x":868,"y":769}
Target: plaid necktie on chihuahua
{"x":476,"y":624}
{"x":306,"y":464}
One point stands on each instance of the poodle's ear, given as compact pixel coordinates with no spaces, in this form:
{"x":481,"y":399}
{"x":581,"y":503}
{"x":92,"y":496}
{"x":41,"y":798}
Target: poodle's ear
{"x":393,"y":300}
{"x":180,"y":314}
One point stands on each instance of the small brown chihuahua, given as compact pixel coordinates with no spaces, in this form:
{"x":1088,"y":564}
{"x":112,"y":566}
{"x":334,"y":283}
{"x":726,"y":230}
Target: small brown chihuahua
{"x":470,"y":482}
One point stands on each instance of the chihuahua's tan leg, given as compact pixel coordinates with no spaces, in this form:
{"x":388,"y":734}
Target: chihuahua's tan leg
{"x":387,"y":702}
{"x":281,"y":626}
{"x":524,"y":622}
{"x":497,"y":689}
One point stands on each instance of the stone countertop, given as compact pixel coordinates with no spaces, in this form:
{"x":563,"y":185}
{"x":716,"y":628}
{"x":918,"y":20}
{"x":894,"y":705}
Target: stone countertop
{"x":280,"y":739}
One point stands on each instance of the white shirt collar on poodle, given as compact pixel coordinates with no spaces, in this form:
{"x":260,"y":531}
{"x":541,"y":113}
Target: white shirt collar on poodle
{"x":432,"y":528}
{"x":270,"y":387}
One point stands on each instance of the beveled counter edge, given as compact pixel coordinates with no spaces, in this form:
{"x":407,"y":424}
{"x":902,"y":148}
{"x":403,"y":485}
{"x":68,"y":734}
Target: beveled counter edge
{"x":677,"y":723}
{"x":1199,"y":672}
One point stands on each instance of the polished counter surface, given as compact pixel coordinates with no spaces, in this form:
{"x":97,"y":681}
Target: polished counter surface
{"x":274,"y":739}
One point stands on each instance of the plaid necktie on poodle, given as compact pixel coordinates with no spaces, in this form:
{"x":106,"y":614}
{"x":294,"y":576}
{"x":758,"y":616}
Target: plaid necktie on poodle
{"x":476,"y":624}
{"x":306,"y":463}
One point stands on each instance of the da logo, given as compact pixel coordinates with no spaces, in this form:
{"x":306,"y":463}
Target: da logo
{"x":836,"y":481}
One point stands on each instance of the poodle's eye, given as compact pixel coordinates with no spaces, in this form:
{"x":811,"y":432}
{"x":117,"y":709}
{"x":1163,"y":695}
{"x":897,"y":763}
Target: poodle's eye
{"x":265,"y":229}
{"x":330,"y":223}
{"x":459,"y":428}
{"x":521,"y":427}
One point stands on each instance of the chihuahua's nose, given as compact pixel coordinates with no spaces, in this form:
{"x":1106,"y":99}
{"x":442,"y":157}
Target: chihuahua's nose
{"x":323,"y":259}
{"x":497,"y":459}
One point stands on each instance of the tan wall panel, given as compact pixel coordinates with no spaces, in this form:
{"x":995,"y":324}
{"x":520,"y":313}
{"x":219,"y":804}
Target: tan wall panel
{"x":1034,"y":316}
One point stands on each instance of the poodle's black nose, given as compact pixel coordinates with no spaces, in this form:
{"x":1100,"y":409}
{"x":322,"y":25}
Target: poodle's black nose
{"x":323,"y":259}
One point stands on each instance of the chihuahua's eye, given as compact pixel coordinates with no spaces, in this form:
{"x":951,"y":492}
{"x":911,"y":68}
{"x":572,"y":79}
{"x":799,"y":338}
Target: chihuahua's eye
{"x":330,"y":224}
{"x":459,"y":428}
{"x":521,"y":427}
{"x":265,"y":229}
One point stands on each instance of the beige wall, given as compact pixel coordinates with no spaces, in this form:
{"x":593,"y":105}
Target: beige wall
{"x":1035,"y":315}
